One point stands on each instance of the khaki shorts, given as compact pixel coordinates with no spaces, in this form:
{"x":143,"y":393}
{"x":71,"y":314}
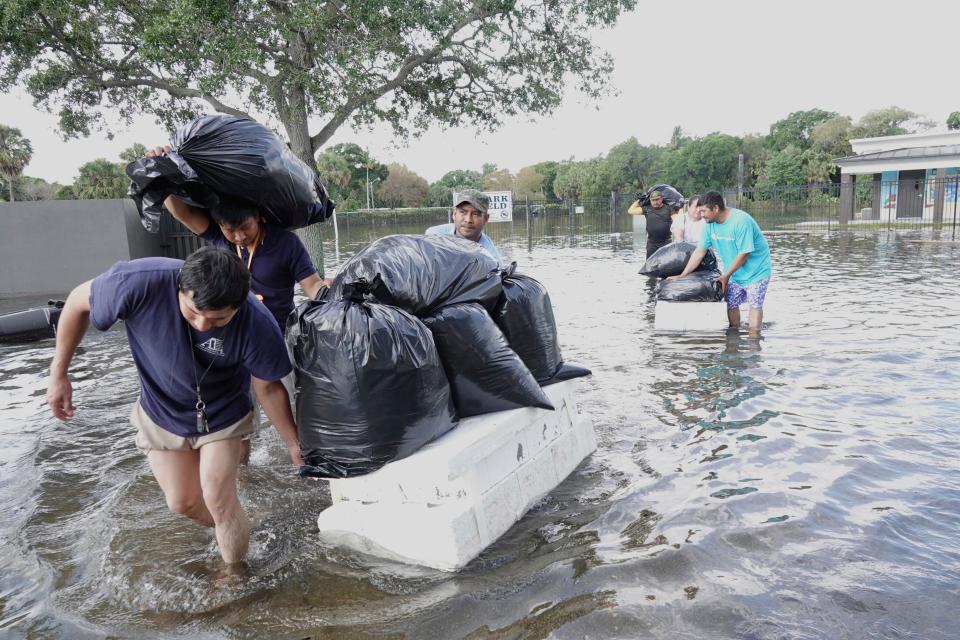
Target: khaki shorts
{"x":152,"y":436}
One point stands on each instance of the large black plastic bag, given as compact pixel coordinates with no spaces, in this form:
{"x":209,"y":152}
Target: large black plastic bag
{"x":525,"y":316}
{"x":671,"y":197}
{"x":370,"y":386}
{"x":224,"y":155}
{"x":670,"y":260}
{"x":485,"y":374}
{"x":421,"y":273}
{"x":699,"y":286}
{"x":567,"y":371}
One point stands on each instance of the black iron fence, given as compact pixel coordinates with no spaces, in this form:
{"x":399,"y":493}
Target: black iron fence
{"x":864,"y":205}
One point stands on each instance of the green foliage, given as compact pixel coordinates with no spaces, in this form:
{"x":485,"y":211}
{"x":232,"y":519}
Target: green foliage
{"x":704,"y":164}
{"x":892,"y":121}
{"x":795,"y":130}
{"x":15,"y":154}
{"x":579,"y":179}
{"x":832,"y":137}
{"x":409,"y":64}
{"x":786,"y":167}
{"x":677,"y":139}
{"x":441,"y":191}
{"x":953,"y":121}
{"x":498,"y":180}
{"x":629,"y":166}
{"x":27,"y":188}
{"x":402,"y":188}
{"x":528,"y":183}
{"x":133,"y":152}
{"x":65,"y":193}
{"x":347,"y":168}
{"x":100,"y":179}
{"x":549,"y":172}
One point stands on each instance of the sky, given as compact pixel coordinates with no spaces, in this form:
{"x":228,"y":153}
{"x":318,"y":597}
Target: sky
{"x":735,"y":67}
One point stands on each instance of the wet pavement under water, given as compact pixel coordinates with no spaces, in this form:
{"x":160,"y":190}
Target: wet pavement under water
{"x":804,"y":485}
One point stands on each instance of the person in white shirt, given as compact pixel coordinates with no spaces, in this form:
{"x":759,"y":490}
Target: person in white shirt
{"x":688,"y":224}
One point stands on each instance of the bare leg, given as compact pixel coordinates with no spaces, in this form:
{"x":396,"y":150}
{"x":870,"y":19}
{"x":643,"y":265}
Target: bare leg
{"x":756,"y":321}
{"x":734,"y":316}
{"x":218,"y":478}
{"x":178,"y":474}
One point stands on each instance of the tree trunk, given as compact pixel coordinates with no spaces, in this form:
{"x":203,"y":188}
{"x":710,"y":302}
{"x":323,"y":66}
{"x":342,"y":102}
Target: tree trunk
{"x":10,"y":180}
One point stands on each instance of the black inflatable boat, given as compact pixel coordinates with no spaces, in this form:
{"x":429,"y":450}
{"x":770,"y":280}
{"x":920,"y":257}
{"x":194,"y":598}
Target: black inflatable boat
{"x":37,"y":323}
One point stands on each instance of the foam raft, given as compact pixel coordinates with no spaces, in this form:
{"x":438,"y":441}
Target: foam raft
{"x":450,"y":500}
{"x":690,"y":316}
{"x":27,"y":325}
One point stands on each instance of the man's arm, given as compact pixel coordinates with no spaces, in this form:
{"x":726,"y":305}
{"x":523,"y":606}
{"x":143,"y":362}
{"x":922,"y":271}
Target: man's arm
{"x":192,"y":218}
{"x":736,"y":264}
{"x":312,"y":285}
{"x":695,"y":259}
{"x":276,"y":404}
{"x":72,"y":326}
{"x":636,"y":209}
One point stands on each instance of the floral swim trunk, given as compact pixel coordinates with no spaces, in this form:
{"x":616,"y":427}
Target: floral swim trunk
{"x":753,"y":294}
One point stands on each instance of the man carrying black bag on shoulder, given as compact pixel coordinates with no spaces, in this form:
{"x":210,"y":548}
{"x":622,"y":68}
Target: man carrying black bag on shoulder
{"x":659,"y":220}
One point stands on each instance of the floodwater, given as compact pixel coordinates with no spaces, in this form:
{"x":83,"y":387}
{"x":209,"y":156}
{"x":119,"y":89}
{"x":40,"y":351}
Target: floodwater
{"x":804,"y":485}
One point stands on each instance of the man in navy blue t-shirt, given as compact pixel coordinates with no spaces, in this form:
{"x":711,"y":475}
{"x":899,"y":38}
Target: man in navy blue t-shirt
{"x":197,"y":335}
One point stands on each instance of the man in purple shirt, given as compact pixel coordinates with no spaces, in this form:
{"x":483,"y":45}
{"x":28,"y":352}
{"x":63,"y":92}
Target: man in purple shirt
{"x":197,"y":335}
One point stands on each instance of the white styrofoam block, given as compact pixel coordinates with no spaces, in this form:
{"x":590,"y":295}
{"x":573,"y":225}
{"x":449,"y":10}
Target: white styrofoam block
{"x":690,"y":316}
{"x":537,"y":477}
{"x":474,"y":456}
{"x":444,"y":537}
{"x":500,"y":506}
{"x":444,"y":504}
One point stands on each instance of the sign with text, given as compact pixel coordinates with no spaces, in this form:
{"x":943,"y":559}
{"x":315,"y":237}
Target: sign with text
{"x":501,"y":206}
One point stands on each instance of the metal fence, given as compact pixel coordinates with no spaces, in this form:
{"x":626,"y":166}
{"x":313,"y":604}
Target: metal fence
{"x":909,"y":203}
{"x":864,"y":205}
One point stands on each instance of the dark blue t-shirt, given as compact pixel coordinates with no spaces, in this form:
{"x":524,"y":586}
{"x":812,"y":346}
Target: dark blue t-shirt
{"x":143,"y":293}
{"x":279,"y":262}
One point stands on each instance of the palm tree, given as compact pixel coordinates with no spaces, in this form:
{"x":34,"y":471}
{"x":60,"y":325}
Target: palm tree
{"x":15,"y":154}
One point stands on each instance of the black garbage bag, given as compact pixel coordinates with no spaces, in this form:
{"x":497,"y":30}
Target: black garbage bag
{"x":670,"y":260}
{"x":567,"y":371}
{"x":671,"y":197}
{"x":224,"y":155}
{"x":699,"y":286}
{"x":485,"y":374}
{"x":370,"y":386}
{"x":421,"y":273}
{"x":525,"y":316}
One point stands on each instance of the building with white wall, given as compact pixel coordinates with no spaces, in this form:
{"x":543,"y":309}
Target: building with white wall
{"x":915,"y":176}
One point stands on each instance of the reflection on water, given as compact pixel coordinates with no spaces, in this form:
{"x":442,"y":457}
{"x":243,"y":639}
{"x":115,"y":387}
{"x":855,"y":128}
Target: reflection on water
{"x":802,"y":485}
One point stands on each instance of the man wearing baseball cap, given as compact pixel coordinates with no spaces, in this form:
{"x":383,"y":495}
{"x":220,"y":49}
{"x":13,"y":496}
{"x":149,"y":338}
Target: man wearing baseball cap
{"x":470,"y":216}
{"x":658,"y":215}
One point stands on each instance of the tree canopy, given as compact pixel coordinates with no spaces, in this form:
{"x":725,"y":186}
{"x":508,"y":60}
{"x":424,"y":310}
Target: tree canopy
{"x":796,"y":129}
{"x":409,"y":64}
{"x":402,"y":188}
{"x":101,"y":178}
{"x":15,"y":154}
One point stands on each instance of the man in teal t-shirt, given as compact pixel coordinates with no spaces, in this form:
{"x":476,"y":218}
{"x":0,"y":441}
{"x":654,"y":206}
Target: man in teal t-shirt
{"x":745,"y":255}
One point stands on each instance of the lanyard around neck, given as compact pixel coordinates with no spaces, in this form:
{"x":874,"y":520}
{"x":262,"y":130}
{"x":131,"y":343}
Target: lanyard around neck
{"x":256,"y":243}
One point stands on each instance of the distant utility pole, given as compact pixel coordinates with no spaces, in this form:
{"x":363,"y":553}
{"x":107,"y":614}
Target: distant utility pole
{"x":739,"y":180}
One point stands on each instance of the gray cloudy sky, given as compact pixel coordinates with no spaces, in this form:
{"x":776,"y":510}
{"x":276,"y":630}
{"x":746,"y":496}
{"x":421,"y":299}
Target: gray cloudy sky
{"x":734,"y":67}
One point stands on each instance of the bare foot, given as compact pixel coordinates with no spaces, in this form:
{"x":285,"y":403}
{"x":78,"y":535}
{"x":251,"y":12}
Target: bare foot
{"x":233,"y":574}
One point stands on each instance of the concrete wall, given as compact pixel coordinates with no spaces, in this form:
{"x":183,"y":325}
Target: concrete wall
{"x":50,"y":246}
